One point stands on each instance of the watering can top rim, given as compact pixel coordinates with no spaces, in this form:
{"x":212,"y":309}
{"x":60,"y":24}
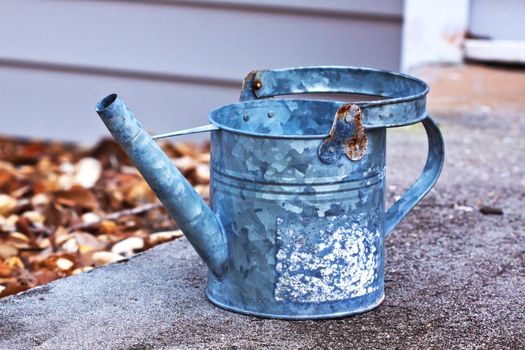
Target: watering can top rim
{"x":402,"y":102}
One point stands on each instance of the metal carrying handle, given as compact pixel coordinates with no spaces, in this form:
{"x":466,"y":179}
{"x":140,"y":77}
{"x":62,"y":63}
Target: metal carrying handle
{"x":394,"y":87}
{"x":427,"y":179}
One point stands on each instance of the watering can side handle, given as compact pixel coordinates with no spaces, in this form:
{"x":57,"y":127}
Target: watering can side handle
{"x":427,"y":179}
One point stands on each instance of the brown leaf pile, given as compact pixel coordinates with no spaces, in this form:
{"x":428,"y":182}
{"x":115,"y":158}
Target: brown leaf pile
{"x":65,"y":209}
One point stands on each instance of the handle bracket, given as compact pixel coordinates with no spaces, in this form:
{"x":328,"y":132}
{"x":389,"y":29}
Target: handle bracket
{"x":347,"y":136}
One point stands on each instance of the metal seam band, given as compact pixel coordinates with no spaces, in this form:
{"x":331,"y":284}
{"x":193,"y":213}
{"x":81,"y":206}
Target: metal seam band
{"x":218,"y":174}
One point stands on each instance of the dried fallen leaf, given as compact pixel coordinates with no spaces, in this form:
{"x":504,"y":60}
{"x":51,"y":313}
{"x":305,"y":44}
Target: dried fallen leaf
{"x":70,"y":246}
{"x":88,"y":171}
{"x":18,"y":237}
{"x":139,"y":193}
{"x":43,"y":242}
{"x":34,"y":216}
{"x":203,"y":190}
{"x":81,"y":269}
{"x":202,"y":173}
{"x":104,"y":258}
{"x":86,"y":242}
{"x":77,"y":196}
{"x":7,"y":204}
{"x":64,"y":264}
{"x":128,"y":246}
{"x":7,"y":251}
{"x":5,"y":271}
{"x":7,"y":177}
{"x":15,"y":261}
{"x":185,"y":164}
{"x":90,"y":218}
{"x":164,"y":236}
{"x":46,"y":276}
{"x":64,"y":209}
{"x":40,"y":199}
{"x":183,"y":149}
{"x":18,"y":240}
{"x":203,"y":158}
{"x":108,"y":226}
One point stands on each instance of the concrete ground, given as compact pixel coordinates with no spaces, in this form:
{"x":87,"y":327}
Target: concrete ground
{"x":455,"y":277}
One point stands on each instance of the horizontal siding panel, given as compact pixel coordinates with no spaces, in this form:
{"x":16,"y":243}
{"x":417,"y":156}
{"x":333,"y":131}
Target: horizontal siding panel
{"x":172,"y":60}
{"x":374,"y":8}
{"x":187,"y":40}
{"x":61,"y":105}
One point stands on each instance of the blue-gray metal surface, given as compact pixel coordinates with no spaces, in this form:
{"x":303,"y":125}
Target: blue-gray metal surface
{"x":290,"y":235}
{"x":183,"y":203}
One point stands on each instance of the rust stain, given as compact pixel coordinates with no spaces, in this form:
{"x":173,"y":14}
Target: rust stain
{"x":359,"y":141}
{"x":250,"y":85}
{"x":344,"y":110}
{"x":248,"y":79}
{"x":347,"y":136}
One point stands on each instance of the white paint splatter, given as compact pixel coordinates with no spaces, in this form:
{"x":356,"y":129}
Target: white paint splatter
{"x":337,"y":263}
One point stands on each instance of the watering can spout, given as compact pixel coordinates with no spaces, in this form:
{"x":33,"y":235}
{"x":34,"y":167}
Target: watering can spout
{"x":184,"y":204}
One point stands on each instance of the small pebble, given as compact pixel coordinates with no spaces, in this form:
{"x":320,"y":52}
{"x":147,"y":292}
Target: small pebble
{"x":464,"y":208}
{"x":487,"y":210}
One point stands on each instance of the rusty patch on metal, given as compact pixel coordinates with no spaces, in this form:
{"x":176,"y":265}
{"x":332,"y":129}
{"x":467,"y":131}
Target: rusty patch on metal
{"x":247,"y":91}
{"x":346,"y":136}
{"x":356,"y":146}
{"x":248,"y":79}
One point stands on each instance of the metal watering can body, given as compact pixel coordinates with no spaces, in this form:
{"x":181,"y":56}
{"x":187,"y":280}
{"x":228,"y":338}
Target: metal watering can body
{"x":297,"y":221}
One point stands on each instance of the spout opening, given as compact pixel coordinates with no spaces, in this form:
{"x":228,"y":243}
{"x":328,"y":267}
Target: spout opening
{"x":106,"y":102}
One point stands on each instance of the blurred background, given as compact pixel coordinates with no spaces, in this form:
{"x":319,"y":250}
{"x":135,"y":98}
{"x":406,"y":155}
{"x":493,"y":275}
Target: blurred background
{"x":173,"y":61}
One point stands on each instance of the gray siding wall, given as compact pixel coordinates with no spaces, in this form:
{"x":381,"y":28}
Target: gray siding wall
{"x":172,"y":61}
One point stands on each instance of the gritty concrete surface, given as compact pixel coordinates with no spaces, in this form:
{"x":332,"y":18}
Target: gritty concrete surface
{"x":455,"y":278}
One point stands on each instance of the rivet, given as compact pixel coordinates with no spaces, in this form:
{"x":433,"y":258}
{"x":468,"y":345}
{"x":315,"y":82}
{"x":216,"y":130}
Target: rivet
{"x":245,"y":117}
{"x":271,"y":114}
{"x":348,"y":118}
{"x":257,"y":84}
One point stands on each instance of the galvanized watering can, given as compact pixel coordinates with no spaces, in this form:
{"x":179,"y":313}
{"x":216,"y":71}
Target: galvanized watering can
{"x":297,"y":222}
